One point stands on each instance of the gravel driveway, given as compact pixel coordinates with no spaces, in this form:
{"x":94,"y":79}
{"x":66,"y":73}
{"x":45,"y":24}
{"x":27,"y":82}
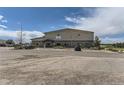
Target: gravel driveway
{"x":60,"y":67}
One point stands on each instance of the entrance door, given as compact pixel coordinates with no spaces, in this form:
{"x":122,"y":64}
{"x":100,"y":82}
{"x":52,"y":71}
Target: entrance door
{"x":47,"y":44}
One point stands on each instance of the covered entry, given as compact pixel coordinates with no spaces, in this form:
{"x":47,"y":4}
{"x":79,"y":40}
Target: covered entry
{"x":47,"y":43}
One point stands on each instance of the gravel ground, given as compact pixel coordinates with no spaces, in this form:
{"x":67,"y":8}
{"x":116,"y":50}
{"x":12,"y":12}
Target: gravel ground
{"x":60,"y":67}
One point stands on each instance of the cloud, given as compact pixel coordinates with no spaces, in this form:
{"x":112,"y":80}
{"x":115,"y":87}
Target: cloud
{"x":27,"y":35}
{"x":10,"y":34}
{"x":2,"y":21}
{"x":1,"y":17}
{"x":3,"y":26}
{"x":105,"y":22}
{"x":76,"y":20}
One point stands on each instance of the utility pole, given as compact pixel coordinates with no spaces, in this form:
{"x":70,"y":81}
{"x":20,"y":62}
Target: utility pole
{"x":21,"y":34}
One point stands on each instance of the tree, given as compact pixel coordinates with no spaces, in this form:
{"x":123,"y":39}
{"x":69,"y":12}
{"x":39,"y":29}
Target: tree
{"x":11,"y":42}
{"x":97,"y":42}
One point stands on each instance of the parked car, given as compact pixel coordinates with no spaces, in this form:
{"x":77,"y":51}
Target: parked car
{"x":77,"y":48}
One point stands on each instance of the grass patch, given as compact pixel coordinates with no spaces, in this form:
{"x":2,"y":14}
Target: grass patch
{"x":109,"y":47}
{"x":115,"y":49}
{"x":59,"y":47}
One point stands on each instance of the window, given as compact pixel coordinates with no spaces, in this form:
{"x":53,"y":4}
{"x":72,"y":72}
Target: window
{"x":58,"y":36}
{"x":78,"y":34}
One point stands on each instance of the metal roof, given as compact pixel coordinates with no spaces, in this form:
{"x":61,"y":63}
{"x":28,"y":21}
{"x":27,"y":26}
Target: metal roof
{"x":68,"y":29}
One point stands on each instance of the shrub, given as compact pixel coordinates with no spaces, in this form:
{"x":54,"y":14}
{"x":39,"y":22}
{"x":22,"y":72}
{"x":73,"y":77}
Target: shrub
{"x":118,"y":45}
{"x":18,"y":46}
{"x":59,"y":47}
{"x":82,"y":45}
{"x":29,"y":47}
{"x":86,"y":45}
{"x":112,"y":49}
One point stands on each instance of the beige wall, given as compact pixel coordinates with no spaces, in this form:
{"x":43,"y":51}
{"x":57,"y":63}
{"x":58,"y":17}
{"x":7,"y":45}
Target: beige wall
{"x":71,"y":35}
{"x":37,"y":43}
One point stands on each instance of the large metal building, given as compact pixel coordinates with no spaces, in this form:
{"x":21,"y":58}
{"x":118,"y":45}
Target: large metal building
{"x":64,"y":37}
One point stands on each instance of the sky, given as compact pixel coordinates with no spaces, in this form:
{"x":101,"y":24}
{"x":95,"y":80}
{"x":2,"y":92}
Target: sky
{"x":106,"y":23}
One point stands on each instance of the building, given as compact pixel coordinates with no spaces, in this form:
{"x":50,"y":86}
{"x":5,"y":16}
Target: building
{"x":65,"y":37}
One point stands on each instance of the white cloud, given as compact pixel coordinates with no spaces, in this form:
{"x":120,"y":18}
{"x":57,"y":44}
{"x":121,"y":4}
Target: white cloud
{"x":9,"y":34}
{"x":2,"y":20}
{"x":1,"y":17}
{"x":26,"y":34}
{"x":3,"y":26}
{"x":76,"y":20}
{"x":105,"y":22}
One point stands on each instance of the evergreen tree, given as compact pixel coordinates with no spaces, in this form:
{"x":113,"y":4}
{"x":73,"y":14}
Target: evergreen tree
{"x":97,"y":42}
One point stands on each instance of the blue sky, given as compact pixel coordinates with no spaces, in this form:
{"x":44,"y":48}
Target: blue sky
{"x":42,"y":19}
{"x":105,"y":22}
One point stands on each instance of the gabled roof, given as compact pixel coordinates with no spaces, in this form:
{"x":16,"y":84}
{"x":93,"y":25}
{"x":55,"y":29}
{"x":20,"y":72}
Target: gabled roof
{"x":59,"y":30}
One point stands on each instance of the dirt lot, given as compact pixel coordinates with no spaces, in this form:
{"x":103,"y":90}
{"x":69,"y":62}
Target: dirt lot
{"x":60,"y":66}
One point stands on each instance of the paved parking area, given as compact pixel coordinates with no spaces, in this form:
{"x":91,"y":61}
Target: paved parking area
{"x":60,"y":66}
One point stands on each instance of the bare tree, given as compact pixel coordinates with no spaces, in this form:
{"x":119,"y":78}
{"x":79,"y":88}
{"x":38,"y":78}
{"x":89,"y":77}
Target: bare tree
{"x":20,"y":36}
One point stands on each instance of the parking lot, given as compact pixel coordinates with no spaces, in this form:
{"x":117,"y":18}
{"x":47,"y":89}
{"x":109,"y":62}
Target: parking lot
{"x":60,"y":67}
